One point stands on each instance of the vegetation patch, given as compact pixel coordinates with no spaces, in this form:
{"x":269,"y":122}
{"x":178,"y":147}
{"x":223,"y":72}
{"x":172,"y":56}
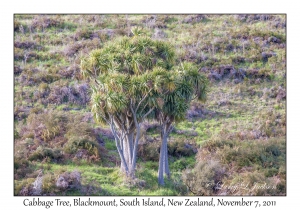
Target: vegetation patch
{"x":238,"y":136}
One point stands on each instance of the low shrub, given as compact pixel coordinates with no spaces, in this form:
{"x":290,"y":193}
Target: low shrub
{"x":77,"y":94}
{"x":43,"y":152}
{"x":252,"y":183}
{"x":179,"y":148}
{"x":256,"y":163}
{"x":155,"y":21}
{"x":78,"y":145}
{"x":272,"y":123}
{"x":21,"y":168}
{"x":51,"y":183}
{"x":69,"y":181}
{"x":195,"y":18}
{"x":42,"y":22}
{"x":24,"y":187}
{"x":82,"y":33}
{"x":55,"y":135}
{"x":149,"y":150}
{"x":46,"y":129}
{"x":17,"y":25}
{"x":71,"y":49}
{"x":204,"y":178}
{"x":80,"y":129}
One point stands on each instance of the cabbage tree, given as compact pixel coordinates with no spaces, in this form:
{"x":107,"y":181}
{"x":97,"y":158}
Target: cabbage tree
{"x":124,"y":88}
{"x":179,"y":88}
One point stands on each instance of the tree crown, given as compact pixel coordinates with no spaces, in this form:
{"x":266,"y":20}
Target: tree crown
{"x":138,"y":74}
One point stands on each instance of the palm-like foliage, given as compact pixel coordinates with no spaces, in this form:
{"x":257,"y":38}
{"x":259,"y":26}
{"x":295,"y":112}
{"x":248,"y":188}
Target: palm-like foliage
{"x":135,"y":78}
{"x":177,"y":89}
{"x":198,"y":81}
{"x":123,"y":93}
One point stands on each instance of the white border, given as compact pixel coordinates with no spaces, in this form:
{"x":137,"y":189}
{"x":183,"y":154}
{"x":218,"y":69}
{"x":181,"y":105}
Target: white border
{"x":8,"y":201}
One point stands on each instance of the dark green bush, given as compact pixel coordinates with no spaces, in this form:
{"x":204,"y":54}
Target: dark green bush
{"x":21,"y":168}
{"x":274,"y":150}
{"x":75,"y":144}
{"x":19,"y":163}
{"x":43,"y":152}
{"x":270,"y":172}
{"x":179,"y":148}
{"x":149,"y":151}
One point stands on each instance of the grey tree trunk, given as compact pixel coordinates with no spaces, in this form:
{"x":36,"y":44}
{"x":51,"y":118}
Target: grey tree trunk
{"x":126,"y":131}
{"x":161,"y":164}
{"x":124,"y":143}
{"x":134,"y":154}
{"x":163,"y":157}
{"x":166,"y":168}
{"x":128,"y":152}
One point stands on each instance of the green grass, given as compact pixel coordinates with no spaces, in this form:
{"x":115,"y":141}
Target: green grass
{"x":110,"y":144}
{"x":113,"y":182}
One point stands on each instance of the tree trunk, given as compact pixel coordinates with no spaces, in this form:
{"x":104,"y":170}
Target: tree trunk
{"x":163,"y":161}
{"x":166,"y":166}
{"x":135,"y":147}
{"x":131,"y":156}
{"x":120,"y":147}
{"x":124,"y":166}
{"x":126,"y":157}
{"x":129,"y":153}
{"x":161,"y":165}
{"x":163,"y":157}
{"x":126,"y":138}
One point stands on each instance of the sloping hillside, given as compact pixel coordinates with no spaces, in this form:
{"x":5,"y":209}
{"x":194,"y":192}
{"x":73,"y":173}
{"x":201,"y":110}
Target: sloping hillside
{"x":237,"y":137}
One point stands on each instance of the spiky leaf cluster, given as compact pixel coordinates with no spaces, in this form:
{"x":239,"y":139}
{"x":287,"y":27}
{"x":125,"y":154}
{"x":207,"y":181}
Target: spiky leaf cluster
{"x":140,"y":72}
{"x":132,"y":56}
{"x":124,"y":72}
{"x":177,"y":88}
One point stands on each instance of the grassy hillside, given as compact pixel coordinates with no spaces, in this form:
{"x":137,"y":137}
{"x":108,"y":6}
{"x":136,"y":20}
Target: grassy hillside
{"x":237,"y":137}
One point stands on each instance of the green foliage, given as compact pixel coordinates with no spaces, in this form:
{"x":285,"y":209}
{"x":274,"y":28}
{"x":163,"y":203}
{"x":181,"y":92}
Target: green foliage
{"x":48,"y":183}
{"x":82,"y":33}
{"x":110,"y":145}
{"x":256,"y":163}
{"x":179,"y":148}
{"x":23,"y":187}
{"x":128,"y":68}
{"x":203,"y":179}
{"x":75,"y":144}
{"x":128,"y":56}
{"x":149,"y":151}
{"x":255,"y":184}
{"x":245,"y":153}
{"x":182,"y":164}
{"x":22,"y":168}
{"x":43,"y":152}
